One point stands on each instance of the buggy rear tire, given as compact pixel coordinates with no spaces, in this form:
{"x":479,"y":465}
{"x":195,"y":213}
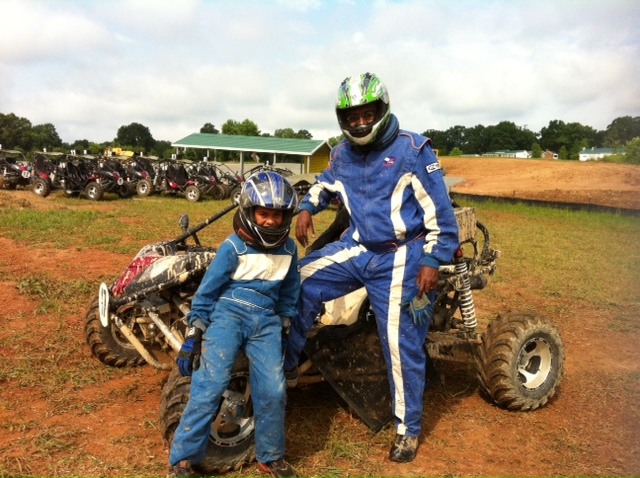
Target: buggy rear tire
{"x":192,"y":193}
{"x":94,"y":191}
{"x":41,"y":187}
{"x":106,"y":343}
{"x":216,"y":192}
{"x":144,"y":188}
{"x":125,"y":191}
{"x":231,"y":443}
{"x":522,"y":360}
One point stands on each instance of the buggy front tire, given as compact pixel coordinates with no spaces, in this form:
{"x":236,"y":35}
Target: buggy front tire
{"x":231,"y":443}
{"x":41,"y":187}
{"x":193,"y":193}
{"x":521,"y":361}
{"x":94,"y":191}
{"x":144,"y":188}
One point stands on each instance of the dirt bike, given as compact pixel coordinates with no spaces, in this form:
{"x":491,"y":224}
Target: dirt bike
{"x":141,"y":318}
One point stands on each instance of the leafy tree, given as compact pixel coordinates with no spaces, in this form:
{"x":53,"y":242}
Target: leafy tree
{"x":246,"y":128}
{"x":477,"y":141}
{"x":572,"y":136}
{"x":438,"y":140}
{"x":621,"y":131}
{"x":563,"y":153}
{"x":45,"y":136}
{"x":536,"y":151}
{"x":456,"y":152}
{"x":632,"y":151}
{"x":136,"y":136}
{"x":289,"y":133}
{"x":15,"y":132}
{"x":335,"y":140}
{"x":162,"y":149}
{"x":209,"y":128}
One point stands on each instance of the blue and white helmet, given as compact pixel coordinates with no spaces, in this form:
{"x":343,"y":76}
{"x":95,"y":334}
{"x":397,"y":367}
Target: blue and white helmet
{"x":270,"y":190}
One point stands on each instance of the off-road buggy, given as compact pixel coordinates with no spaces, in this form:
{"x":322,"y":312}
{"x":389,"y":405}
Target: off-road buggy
{"x":140,"y":318}
{"x":141,"y":174}
{"x":173,"y":179}
{"x":46,"y":172}
{"x":77,"y":175}
{"x":111,"y":178}
{"x":205,"y":178}
{"x":15,"y":170}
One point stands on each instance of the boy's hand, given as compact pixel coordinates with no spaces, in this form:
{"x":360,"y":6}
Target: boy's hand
{"x":303,"y":224}
{"x":188,"y":358}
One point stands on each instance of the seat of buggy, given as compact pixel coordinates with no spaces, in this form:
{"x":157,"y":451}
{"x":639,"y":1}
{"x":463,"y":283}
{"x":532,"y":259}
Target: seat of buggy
{"x":178,"y":174}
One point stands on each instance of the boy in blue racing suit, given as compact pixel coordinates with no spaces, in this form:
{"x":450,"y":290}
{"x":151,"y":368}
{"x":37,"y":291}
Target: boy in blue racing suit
{"x":402,"y":227}
{"x":251,"y":285}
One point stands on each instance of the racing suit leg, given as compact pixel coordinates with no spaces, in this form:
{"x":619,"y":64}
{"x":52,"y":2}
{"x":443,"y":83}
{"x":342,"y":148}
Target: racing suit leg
{"x":392,"y":280}
{"x":326,"y":274}
{"x":268,"y":389}
{"x":220,"y":345}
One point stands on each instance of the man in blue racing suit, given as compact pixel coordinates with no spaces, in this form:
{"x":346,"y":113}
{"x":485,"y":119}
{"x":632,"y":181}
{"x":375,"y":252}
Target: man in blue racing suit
{"x":402,"y":228}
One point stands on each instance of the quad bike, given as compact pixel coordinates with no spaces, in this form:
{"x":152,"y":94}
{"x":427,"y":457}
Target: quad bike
{"x":14,"y":169}
{"x":141,"y":318}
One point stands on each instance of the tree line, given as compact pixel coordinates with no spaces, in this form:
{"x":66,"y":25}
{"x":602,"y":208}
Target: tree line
{"x":565,"y":139}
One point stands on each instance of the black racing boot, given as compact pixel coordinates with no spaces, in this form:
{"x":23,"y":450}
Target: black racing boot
{"x":182,"y":469}
{"x":404,"y":449}
{"x":291,"y":376}
{"x":278,"y":468}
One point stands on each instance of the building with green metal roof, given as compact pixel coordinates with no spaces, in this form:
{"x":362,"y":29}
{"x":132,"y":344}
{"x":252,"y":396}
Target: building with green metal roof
{"x":315,"y":153}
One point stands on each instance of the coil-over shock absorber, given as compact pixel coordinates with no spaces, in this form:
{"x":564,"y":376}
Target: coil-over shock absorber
{"x":467,"y":307}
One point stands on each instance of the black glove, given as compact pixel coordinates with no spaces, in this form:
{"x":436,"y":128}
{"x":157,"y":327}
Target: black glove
{"x":189,"y":356}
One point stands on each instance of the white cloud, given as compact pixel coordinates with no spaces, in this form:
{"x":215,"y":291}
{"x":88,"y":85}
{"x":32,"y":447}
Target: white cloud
{"x":90,"y":67}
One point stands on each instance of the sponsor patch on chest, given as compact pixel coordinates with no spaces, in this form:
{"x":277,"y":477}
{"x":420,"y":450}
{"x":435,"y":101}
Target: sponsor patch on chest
{"x":433,"y":167}
{"x":389,"y":161}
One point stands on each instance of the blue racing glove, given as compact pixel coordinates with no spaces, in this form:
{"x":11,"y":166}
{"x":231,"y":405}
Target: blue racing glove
{"x":188,"y":358}
{"x":421,"y":308}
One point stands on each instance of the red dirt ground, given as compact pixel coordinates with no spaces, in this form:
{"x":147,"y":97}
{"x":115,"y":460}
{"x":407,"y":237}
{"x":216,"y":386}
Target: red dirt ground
{"x":590,"y":429}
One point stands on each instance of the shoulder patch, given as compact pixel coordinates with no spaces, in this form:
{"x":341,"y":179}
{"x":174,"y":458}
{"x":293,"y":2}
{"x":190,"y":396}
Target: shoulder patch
{"x":433,"y":167}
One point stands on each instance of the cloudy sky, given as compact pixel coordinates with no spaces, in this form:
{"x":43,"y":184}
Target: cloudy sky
{"x":91,"y":66}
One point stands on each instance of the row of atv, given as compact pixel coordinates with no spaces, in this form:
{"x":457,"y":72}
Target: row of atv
{"x":93,"y":176}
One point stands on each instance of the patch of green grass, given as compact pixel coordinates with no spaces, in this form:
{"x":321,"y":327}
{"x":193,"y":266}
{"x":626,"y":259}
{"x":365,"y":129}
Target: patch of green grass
{"x":585,"y":256}
{"x":56,"y":295}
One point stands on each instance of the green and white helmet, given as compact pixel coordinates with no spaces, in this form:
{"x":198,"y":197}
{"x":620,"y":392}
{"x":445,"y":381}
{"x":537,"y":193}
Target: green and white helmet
{"x":359,"y":90}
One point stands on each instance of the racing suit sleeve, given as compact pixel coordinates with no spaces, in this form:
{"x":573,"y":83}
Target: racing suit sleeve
{"x":441,"y":240}
{"x":290,"y":287}
{"x":215,"y":279}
